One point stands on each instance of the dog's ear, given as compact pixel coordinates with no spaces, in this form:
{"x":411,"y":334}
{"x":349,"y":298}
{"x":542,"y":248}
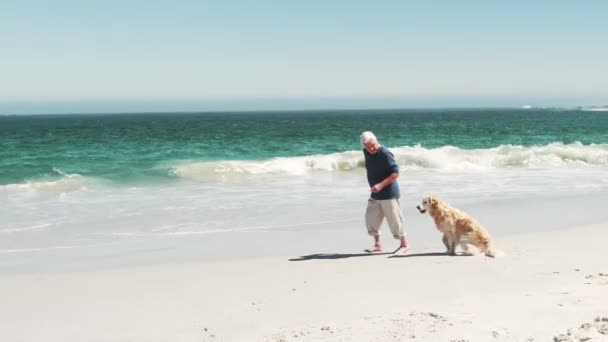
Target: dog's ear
{"x":433,"y":200}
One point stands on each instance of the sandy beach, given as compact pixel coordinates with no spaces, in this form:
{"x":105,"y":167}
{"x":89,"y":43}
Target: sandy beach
{"x":550,"y":286}
{"x":201,"y":171}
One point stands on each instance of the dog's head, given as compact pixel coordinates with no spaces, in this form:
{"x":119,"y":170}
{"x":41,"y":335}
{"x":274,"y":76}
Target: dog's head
{"x":427,"y":203}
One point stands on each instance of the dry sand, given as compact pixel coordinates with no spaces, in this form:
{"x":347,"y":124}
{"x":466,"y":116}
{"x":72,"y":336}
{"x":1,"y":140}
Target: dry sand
{"x":550,"y":286}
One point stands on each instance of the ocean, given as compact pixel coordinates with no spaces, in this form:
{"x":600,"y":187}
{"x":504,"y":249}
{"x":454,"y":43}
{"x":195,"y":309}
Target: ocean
{"x":105,"y":190}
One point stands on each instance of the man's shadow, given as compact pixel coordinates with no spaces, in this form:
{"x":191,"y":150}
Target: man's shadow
{"x":334,"y":256}
{"x":420,"y":255}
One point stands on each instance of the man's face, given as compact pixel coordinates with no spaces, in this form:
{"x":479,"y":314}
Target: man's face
{"x":372,"y":146}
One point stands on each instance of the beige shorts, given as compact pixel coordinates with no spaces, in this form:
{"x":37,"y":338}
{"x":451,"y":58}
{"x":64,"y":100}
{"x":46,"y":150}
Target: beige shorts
{"x":377,"y":210}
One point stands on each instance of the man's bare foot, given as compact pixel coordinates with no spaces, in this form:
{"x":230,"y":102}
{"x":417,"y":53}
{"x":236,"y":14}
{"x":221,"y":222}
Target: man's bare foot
{"x":400,"y":251}
{"x":375,"y":249}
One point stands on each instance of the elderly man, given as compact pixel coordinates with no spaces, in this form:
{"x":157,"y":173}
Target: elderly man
{"x":382,"y":174}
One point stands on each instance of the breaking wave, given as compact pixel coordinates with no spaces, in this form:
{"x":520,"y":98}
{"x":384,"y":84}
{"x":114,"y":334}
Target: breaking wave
{"x":445,"y":158}
{"x":67,"y":182}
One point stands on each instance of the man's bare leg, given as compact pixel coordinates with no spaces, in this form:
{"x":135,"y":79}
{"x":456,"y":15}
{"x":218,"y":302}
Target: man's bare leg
{"x":402,"y":247}
{"x":377,"y":246}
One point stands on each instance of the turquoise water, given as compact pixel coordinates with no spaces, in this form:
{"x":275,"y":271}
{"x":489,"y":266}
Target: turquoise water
{"x":128,"y":148}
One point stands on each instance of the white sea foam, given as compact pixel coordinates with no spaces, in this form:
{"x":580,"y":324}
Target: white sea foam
{"x":25,"y":228}
{"x":27,"y":250}
{"x":446,"y":158}
{"x":551,"y":156}
{"x":67,"y":182}
{"x":596,"y":109}
{"x":345,"y":161}
{"x":182,"y":233}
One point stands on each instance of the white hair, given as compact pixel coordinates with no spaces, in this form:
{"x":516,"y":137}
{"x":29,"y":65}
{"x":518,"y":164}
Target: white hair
{"x":368,"y":136}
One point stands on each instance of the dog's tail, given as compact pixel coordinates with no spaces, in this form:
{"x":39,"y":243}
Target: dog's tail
{"x":493,"y":252}
{"x":487,"y":246}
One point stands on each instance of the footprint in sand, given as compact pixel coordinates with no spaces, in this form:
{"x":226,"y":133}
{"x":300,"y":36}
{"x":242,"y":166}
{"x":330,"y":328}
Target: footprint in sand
{"x":599,"y":278}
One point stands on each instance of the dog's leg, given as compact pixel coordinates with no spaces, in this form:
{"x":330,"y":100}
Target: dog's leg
{"x":465,"y":247}
{"x":463,"y":241}
{"x":451,"y":243}
{"x":445,"y":242}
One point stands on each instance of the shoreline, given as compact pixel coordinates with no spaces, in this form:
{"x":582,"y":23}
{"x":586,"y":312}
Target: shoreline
{"x":329,"y":225}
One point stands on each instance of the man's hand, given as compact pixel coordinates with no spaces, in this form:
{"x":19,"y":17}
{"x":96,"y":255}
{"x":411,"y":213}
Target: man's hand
{"x":377,"y":187}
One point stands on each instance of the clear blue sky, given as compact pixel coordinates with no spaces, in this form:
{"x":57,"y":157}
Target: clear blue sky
{"x":140,"y":55}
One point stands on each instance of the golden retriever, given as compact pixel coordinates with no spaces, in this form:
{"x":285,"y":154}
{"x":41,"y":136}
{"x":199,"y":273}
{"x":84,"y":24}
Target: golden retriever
{"x":457,"y":228}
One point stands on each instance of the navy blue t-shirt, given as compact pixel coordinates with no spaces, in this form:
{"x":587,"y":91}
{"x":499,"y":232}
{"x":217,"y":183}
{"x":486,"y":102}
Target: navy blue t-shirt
{"x":379,"y":166}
